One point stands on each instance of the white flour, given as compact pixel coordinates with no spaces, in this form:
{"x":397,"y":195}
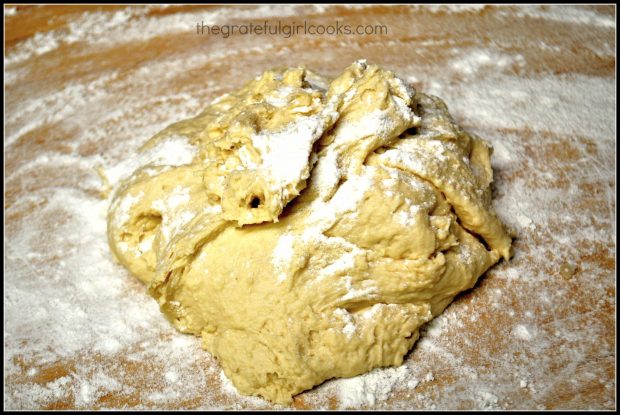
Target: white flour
{"x":174,"y":151}
{"x":285,"y":153}
{"x":66,"y":300}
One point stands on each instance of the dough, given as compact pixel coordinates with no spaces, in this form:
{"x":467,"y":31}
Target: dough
{"x":318,"y":226}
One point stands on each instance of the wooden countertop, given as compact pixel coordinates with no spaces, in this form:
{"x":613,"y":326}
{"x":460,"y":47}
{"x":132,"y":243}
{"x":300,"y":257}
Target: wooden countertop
{"x":85,"y":85}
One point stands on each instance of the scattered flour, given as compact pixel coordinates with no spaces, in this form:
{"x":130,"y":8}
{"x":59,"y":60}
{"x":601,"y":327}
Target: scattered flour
{"x":522,"y":332}
{"x":79,"y":302}
{"x":367,"y":389}
{"x":173,"y":151}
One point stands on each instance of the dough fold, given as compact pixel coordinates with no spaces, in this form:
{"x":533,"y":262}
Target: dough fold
{"x":318,"y":226}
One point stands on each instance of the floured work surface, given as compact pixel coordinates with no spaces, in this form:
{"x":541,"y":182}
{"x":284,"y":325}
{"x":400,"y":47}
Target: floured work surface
{"x":85,"y":87}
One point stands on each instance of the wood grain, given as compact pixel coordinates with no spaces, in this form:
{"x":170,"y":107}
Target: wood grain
{"x":474,"y":58}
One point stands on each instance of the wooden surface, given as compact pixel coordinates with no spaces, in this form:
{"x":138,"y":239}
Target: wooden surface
{"x":538,"y":82}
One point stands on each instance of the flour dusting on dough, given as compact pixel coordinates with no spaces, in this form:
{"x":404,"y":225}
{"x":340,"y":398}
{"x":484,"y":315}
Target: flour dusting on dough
{"x":80,"y":301}
{"x":332,"y":201}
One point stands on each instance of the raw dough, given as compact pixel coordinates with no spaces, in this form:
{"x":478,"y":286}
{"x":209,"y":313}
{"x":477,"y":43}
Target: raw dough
{"x":318,"y":226}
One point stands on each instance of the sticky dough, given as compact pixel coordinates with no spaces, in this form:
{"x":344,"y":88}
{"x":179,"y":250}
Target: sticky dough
{"x":318,"y":226}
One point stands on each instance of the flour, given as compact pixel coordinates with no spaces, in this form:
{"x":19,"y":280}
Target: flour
{"x":477,"y":60}
{"x":366,"y":390}
{"x":87,"y":296}
{"x":349,"y":324}
{"x":345,"y":262}
{"x":347,"y":198}
{"x":55,"y":106}
{"x":283,"y":254}
{"x":285,"y":153}
{"x":280,"y":97}
{"x":372,"y":388}
{"x":79,"y":303}
{"x":131,"y":25}
{"x":87,"y":272}
{"x":554,"y":108}
{"x":571,"y":15}
{"x":171,"y":223}
{"x":227,"y":385}
{"x":125,"y":206}
{"x":407,"y":217}
{"x":173,"y":151}
{"x":326,"y":174}
{"x":366,"y":291}
{"x":522,"y":332}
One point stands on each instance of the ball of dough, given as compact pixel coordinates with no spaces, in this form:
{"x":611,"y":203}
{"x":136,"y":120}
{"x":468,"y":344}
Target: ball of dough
{"x":318,"y":226}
